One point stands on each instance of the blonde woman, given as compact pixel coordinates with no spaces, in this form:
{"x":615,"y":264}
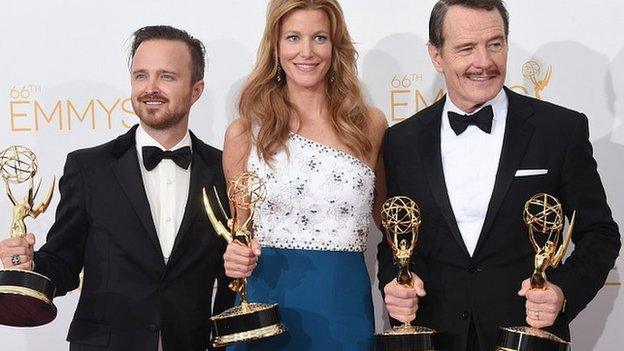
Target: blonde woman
{"x":305,"y":129}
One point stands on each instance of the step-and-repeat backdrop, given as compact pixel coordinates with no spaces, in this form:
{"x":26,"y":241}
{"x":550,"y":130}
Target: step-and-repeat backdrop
{"x":64,"y":84}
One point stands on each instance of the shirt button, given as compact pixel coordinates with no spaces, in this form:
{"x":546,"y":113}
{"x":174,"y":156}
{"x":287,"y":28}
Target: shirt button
{"x":465,"y":315}
{"x":169,"y":182}
{"x":168,"y":219}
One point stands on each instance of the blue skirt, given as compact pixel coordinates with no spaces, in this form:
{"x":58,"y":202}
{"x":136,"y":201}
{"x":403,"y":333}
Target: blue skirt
{"x":324,"y":300}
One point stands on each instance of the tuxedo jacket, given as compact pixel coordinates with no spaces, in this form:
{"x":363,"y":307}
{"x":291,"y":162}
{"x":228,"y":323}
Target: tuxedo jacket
{"x":129,"y":296}
{"x":538,"y":136}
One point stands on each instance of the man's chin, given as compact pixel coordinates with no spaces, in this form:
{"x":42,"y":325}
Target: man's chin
{"x":487,"y":93}
{"x":159,"y":122}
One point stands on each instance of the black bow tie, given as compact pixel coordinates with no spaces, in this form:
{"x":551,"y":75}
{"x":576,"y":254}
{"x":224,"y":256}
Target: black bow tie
{"x":152,"y":156}
{"x":481,"y":119}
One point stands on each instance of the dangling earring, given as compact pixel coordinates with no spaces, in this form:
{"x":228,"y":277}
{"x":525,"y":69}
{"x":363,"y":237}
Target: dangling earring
{"x":278,"y":77}
{"x":332,"y":77}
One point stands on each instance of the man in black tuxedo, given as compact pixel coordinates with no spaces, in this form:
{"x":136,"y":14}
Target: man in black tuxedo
{"x":131,"y":216}
{"x":471,"y":161}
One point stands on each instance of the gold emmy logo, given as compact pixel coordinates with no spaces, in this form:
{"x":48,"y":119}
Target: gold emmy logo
{"x":29,"y":112}
{"x":531,"y":71}
{"x":406,"y":98}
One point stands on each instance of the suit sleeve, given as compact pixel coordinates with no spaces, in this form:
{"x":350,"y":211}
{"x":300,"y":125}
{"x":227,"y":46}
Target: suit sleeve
{"x":386,"y":268}
{"x":596,"y":237}
{"x":61,"y":258}
{"x":224,"y":297}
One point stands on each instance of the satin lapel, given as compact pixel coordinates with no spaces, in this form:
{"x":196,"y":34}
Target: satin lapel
{"x":202,"y":175}
{"x":518,"y":133}
{"x":428,"y":139}
{"x":127,"y":171}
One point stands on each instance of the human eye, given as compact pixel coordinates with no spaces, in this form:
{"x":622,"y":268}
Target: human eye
{"x":497,"y":45}
{"x":167,"y":76}
{"x":465,"y":50}
{"x":292,"y":38}
{"x":140,"y":76}
{"x":320,"y":38}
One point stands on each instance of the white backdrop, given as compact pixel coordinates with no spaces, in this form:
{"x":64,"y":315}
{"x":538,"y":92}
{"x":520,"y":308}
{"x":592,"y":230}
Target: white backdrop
{"x":66,"y":86}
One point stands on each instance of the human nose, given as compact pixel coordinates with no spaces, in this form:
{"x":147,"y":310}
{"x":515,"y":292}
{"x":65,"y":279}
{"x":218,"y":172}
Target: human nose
{"x":151,"y":86}
{"x":483,"y":58}
{"x":306,"y":49}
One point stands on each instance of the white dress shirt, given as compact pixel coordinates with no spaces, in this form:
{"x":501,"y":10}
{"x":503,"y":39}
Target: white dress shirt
{"x":167,"y":188}
{"x":470,"y":162}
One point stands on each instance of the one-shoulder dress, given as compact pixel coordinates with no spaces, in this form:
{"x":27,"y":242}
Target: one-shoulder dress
{"x":313,"y":226}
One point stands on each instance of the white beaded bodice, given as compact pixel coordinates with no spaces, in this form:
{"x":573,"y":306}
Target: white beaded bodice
{"x":318,"y":198}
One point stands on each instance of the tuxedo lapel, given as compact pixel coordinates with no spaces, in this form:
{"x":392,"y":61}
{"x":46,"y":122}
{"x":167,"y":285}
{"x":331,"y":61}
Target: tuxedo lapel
{"x":428,"y":139}
{"x":126,"y":169}
{"x":203,"y":172}
{"x":517,"y":136}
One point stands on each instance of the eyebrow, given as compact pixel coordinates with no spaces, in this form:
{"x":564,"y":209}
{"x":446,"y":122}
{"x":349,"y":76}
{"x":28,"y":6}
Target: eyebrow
{"x":498,"y":37}
{"x":473,"y":43}
{"x":135,"y":71}
{"x":160,"y":71}
{"x":464,"y":45}
{"x":299,"y":33}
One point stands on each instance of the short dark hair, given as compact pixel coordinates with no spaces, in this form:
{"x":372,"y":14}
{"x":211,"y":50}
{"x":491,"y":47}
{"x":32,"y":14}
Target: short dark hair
{"x":436,"y":21}
{"x":196,"y":48}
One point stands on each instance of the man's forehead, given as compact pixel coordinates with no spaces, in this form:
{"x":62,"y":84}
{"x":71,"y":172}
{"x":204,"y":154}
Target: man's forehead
{"x":167,"y":52}
{"x":463,"y":21}
{"x":163,"y":47}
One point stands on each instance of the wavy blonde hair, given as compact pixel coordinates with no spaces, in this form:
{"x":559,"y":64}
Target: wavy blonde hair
{"x":264,"y":101}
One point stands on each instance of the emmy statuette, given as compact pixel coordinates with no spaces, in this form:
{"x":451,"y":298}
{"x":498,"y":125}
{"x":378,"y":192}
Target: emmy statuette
{"x":25,"y":296}
{"x":400,"y":218}
{"x":247,"y":321}
{"x":543,"y":215}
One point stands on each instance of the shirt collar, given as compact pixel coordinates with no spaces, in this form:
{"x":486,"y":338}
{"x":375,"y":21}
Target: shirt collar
{"x":144,"y":139}
{"x":498,"y":103}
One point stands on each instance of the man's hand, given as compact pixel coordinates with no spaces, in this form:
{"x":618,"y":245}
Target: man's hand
{"x":542,"y":305}
{"x":239,"y":260}
{"x":17,"y":253}
{"x":402,"y":301}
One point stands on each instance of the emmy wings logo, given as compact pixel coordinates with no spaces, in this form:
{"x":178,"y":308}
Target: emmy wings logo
{"x":532,"y":72}
{"x":32,"y":110}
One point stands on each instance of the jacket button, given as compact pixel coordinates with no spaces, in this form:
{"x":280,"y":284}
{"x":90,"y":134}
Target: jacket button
{"x":473,"y":269}
{"x":465,"y":315}
{"x":153,"y":327}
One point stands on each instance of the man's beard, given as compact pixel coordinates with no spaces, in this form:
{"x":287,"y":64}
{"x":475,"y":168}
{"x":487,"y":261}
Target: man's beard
{"x":167,"y":120}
